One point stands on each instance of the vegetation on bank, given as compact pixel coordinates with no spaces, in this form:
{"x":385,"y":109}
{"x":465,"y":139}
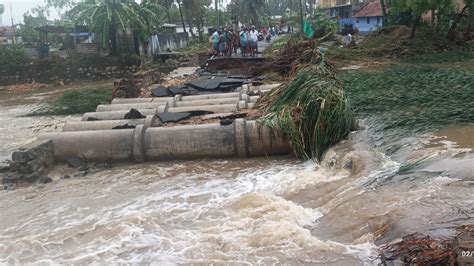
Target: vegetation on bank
{"x":412,"y":97}
{"x":13,"y":55}
{"x":76,"y":102}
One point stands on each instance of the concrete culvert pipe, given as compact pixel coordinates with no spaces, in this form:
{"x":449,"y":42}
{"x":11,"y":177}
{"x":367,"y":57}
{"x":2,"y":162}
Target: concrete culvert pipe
{"x":100,"y":125}
{"x":149,"y":121}
{"x":92,"y":146}
{"x":117,"y":115}
{"x":240,"y":139}
{"x":120,"y":107}
{"x":218,"y":101}
{"x":224,"y":108}
{"x":211,"y":96}
{"x":142,"y":100}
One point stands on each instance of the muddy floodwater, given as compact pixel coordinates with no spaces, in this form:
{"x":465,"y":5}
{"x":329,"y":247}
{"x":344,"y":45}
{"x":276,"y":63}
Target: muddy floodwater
{"x":228,"y":211}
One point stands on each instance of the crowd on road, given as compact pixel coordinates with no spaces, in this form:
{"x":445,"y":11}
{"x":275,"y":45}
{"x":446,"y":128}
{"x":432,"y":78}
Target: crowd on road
{"x":227,"y":41}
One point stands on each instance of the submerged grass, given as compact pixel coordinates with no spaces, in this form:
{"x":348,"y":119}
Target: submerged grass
{"x":76,"y":102}
{"x":412,"y":97}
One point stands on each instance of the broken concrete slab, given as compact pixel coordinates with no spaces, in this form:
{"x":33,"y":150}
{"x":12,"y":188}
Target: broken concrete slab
{"x":215,"y":83}
{"x":183,"y":90}
{"x":160,"y":91}
{"x":173,"y":117}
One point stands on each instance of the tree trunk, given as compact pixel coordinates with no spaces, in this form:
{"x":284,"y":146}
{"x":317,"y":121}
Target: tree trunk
{"x":113,"y":36}
{"x":433,"y":18}
{"x":301,"y":18}
{"x":181,"y":15}
{"x":415,"y":26}
{"x":451,"y":35}
{"x":384,"y":11}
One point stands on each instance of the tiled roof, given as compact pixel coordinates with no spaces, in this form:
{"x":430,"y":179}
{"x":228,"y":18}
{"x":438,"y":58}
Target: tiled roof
{"x":371,"y":9}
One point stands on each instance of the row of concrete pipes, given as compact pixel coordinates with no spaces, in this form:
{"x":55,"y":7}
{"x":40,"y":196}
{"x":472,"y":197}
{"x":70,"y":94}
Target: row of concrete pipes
{"x":146,"y":140}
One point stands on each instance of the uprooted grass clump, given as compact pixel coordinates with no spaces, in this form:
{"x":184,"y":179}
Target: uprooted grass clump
{"x":76,"y":102}
{"x":412,"y":97}
{"x":311,"y":110}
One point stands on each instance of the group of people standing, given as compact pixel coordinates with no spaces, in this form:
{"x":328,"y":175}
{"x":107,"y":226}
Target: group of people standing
{"x":227,"y":41}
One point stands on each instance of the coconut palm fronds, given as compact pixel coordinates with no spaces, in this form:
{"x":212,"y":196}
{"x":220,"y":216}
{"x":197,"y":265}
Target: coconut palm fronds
{"x":311,"y":111}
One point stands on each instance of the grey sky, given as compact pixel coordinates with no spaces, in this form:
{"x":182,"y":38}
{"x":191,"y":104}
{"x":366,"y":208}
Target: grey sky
{"x":19,"y":7}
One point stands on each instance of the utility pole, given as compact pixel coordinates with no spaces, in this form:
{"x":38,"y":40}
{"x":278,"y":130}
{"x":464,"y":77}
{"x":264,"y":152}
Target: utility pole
{"x":216,"y":3}
{"x":13,"y":24}
{"x":181,"y":15}
{"x":301,"y":19}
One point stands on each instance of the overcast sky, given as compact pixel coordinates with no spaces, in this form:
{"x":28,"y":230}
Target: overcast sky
{"x":19,"y":7}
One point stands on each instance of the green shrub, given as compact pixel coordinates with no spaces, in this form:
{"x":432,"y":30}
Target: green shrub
{"x":77,"y":102}
{"x":13,"y":55}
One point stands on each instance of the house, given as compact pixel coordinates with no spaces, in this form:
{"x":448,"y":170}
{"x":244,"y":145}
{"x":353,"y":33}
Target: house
{"x":8,"y":35}
{"x":344,"y":10}
{"x":369,"y":18}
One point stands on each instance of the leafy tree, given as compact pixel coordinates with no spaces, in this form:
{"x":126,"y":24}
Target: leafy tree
{"x":60,"y":5}
{"x":36,"y":17}
{"x":419,"y":7}
{"x":107,"y":17}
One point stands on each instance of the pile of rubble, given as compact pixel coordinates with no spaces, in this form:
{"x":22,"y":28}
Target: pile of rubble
{"x":418,"y":249}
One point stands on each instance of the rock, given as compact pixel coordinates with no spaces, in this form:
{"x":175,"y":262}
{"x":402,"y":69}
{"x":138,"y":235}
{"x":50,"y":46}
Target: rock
{"x":4,"y":167}
{"x":22,"y":155}
{"x":159,"y":91}
{"x":44,"y":180}
{"x":76,"y":162}
{"x":226,"y":121}
{"x":134,"y":114}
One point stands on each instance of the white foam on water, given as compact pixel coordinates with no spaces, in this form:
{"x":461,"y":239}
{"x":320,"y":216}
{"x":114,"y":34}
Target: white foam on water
{"x":204,"y":217}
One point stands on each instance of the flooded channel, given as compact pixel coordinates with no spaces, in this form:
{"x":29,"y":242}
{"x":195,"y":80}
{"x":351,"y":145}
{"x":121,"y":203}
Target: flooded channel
{"x":264,"y":210}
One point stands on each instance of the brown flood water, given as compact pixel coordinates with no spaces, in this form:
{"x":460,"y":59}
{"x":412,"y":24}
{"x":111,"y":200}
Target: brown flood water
{"x":255,"y":211}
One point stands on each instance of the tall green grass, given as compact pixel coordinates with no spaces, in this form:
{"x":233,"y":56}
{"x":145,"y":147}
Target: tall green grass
{"x":412,"y":97}
{"x":76,"y":102}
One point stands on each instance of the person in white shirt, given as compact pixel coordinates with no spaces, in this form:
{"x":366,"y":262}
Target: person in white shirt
{"x":253,"y":41}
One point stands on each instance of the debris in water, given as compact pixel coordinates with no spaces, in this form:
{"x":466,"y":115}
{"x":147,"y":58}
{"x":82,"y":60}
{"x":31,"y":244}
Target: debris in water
{"x":134,"y":114}
{"x":75,"y":162}
{"x":126,"y":126}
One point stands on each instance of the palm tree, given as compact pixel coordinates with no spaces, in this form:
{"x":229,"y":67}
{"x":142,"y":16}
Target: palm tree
{"x":252,"y":10}
{"x":107,"y":17}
